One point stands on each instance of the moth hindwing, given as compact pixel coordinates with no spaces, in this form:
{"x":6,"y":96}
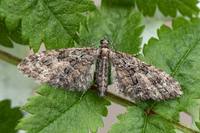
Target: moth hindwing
{"x":73,"y":69}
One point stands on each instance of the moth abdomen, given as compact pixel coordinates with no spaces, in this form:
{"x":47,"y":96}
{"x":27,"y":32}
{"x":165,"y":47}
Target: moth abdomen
{"x":102,"y":71}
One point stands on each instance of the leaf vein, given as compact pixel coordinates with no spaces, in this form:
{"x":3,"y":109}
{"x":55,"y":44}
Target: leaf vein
{"x":52,"y":14}
{"x":145,"y":124}
{"x":186,"y":54}
{"x":64,"y":112}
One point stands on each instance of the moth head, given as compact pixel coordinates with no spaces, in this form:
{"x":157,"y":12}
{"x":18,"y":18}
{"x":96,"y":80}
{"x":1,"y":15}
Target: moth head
{"x":104,"y":42}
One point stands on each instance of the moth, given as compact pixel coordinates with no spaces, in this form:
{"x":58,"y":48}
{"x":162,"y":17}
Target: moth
{"x":73,"y":69}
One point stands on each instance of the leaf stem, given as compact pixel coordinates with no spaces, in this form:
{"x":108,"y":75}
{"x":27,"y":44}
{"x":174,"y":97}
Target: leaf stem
{"x":183,"y":127}
{"x":180,"y":126}
{"x":9,"y":58}
{"x":119,"y":100}
{"x":126,"y":103}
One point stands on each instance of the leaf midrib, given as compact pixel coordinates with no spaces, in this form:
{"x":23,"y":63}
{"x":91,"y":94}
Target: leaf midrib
{"x":53,"y":15}
{"x":65,"y":111}
{"x":145,"y":124}
{"x":183,"y":58}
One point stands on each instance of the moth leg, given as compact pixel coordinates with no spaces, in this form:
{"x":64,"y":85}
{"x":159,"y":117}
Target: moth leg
{"x":114,"y":46}
{"x":82,"y":95}
{"x":136,"y":54}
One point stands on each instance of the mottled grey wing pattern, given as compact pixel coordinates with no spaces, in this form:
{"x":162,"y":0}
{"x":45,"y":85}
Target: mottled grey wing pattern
{"x":71,"y":68}
{"x":139,"y":80}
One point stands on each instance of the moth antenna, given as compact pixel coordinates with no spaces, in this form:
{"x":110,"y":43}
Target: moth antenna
{"x":84,"y":39}
{"x":116,"y":44}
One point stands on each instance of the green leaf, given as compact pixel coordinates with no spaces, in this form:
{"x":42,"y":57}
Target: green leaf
{"x":136,"y":121}
{"x":8,"y":117}
{"x":62,"y":111}
{"x":51,"y":22}
{"x":177,"y":53}
{"x":116,"y":22}
{"x":122,"y":3}
{"x":7,"y":36}
{"x":168,"y":7}
{"x":198,"y":123}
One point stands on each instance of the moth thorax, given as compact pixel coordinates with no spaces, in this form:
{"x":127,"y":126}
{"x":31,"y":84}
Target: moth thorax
{"x":104,"y":42}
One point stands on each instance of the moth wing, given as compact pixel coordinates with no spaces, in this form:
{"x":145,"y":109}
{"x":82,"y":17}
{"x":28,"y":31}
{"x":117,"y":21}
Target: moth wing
{"x":139,"y":80}
{"x":71,"y":68}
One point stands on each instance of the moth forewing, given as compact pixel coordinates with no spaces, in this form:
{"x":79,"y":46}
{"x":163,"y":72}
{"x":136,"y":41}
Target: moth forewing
{"x":70,"y":68}
{"x":139,"y":80}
